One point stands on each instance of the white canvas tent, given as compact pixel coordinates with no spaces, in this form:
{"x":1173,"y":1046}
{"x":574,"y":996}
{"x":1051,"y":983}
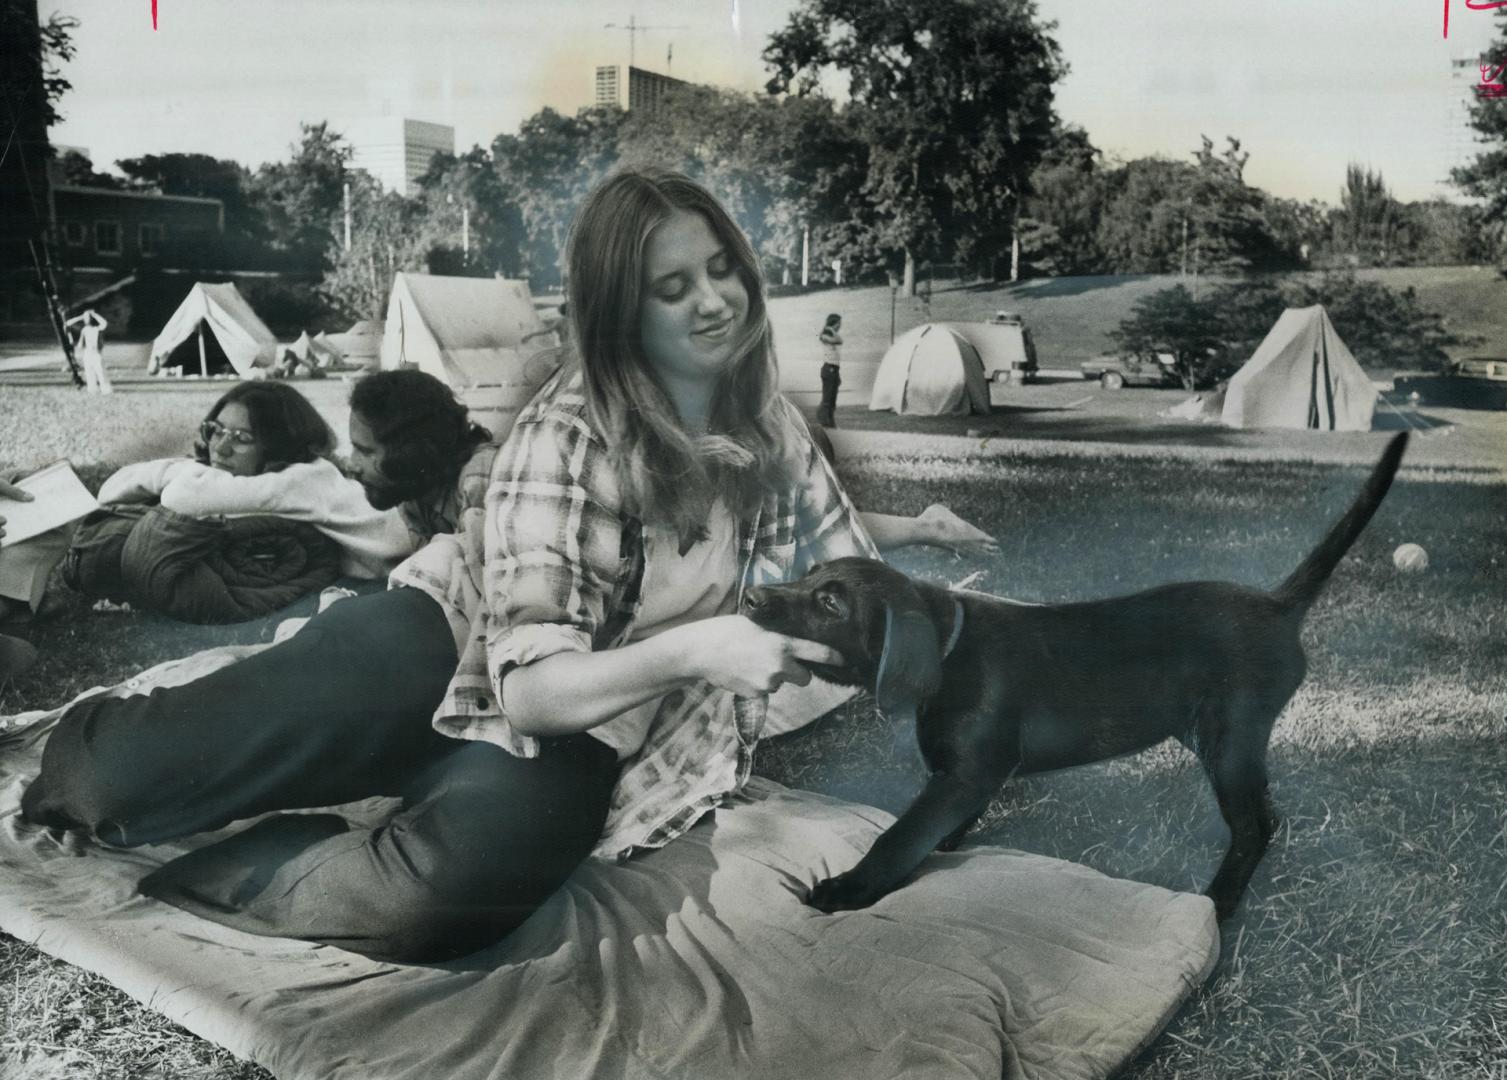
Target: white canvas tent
{"x":214,"y":332}
{"x":482,"y":336}
{"x":313,"y":354}
{"x":1301,"y":376}
{"x":360,"y":346}
{"x":1206,"y":407}
{"x":931,"y":370}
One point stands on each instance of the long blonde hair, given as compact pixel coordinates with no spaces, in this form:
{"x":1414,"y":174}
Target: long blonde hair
{"x":668,"y":475}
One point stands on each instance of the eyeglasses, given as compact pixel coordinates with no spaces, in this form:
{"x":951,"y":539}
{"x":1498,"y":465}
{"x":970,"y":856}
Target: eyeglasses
{"x":211,"y":430}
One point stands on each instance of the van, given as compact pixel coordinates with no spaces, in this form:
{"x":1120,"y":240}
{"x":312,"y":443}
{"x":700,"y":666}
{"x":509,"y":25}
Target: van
{"x":1004,"y":346}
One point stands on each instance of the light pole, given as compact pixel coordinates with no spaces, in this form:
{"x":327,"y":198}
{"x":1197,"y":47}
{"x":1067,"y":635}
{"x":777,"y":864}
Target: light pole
{"x":894,"y":293}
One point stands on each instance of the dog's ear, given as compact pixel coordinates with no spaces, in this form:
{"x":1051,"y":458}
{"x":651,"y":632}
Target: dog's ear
{"x":910,"y":664}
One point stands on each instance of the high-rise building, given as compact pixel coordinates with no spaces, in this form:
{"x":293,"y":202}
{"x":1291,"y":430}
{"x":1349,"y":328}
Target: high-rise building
{"x":645,"y":90}
{"x":396,"y":151}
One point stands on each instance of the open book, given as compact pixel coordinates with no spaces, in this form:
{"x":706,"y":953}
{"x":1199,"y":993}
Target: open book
{"x":59,"y":497}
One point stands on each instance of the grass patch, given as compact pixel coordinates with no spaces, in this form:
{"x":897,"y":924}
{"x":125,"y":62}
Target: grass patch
{"x":1374,"y":938}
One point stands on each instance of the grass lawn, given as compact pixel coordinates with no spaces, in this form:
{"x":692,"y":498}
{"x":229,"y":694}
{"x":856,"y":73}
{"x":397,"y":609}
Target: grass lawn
{"x":1373,"y":941}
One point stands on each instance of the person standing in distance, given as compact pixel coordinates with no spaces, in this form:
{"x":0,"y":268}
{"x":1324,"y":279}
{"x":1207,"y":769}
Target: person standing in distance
{"x":831,"y":339}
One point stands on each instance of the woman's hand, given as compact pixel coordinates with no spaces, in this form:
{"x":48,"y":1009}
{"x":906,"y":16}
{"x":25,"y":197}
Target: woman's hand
{"x":733,"y":653}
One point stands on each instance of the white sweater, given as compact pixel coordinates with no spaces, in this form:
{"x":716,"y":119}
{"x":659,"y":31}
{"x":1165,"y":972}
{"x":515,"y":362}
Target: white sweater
{"x":372,"y":541}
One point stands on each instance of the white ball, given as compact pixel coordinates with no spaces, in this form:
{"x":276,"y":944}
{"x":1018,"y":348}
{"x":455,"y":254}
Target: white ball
{"x":1410,"y":558}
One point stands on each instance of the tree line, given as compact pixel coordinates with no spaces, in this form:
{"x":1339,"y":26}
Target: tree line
{"x":945,"y":149}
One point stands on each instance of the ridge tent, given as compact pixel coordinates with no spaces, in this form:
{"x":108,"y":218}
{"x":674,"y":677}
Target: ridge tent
{"x":481,"y":336}
{"x":314,"y":354}
{"x":214,"y":332}
{"x":1301,"y":376}
{"x":931,"y":370}
{"x":1206,"y":407}
{"x":360,"y":346}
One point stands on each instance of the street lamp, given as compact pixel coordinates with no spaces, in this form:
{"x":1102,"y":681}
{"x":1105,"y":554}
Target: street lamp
{"x":894,"y":292}
{"x":465,"y":226}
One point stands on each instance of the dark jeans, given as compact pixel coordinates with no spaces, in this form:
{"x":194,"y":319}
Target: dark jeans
{"x":831,"y":380}
{"x":339,"y":712}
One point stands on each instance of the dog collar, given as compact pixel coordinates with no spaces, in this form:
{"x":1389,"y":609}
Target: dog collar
{"x":957,"y":626}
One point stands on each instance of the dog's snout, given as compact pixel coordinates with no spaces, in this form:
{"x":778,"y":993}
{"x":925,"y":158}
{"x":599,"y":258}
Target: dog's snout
{"x":757,"y":598}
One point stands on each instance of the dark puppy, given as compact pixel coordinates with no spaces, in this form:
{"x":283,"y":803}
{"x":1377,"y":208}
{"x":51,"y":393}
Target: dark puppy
{"x":999,"y":688}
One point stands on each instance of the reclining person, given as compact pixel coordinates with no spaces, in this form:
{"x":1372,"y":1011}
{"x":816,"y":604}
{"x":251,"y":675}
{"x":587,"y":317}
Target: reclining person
{"x":259,"y":516}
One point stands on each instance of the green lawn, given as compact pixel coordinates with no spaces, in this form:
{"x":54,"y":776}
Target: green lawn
{"x":1374,"y":939}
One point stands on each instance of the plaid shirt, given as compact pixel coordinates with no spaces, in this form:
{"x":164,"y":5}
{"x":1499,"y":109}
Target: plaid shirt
{"x":555,"y":564}
{"x":443,"y":511}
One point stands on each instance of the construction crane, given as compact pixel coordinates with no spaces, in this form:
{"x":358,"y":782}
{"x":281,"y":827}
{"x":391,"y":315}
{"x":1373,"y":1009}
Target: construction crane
{"x":634,"y":28}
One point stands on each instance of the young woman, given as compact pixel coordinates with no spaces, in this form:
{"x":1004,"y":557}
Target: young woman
{"x":571,"y":677}
{"x":263,"y":449}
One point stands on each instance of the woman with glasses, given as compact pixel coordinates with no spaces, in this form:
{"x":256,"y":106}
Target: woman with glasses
{"x":263,"y":449}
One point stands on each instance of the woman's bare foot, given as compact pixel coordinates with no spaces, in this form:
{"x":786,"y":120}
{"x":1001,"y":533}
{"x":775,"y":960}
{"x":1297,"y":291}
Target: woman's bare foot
{"x":947,"y":530}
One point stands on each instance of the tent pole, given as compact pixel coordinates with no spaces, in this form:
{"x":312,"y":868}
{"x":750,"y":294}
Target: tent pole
{"x":203,"y":363}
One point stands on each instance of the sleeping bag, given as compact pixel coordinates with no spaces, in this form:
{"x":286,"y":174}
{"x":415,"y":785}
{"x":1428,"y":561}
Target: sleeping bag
{"x":200,"y":570}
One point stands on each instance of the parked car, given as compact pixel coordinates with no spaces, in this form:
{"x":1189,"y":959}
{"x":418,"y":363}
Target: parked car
{"x":1481,"y":367}
{"x":1133,"y":369}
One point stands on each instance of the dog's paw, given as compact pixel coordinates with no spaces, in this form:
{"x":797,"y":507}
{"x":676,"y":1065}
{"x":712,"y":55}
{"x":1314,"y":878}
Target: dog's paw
{"x":841,"y":893}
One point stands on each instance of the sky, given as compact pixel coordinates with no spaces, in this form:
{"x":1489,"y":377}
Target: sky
{"x":1307,"y":86}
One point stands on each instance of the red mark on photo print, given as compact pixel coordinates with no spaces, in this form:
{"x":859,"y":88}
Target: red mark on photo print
{"x":154,"y":17}
{"x":1473,"y":5}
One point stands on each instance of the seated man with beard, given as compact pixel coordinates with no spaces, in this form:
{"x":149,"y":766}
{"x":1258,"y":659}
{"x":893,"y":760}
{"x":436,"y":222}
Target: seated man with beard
{"x":414,"y":447}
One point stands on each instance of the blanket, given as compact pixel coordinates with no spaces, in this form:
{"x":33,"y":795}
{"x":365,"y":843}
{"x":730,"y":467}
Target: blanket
{"x":696,"y":961}
{"x":200,"y":570}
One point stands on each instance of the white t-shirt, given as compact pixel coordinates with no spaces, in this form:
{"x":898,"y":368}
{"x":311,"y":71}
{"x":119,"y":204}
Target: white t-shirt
{"x":676,"y":590}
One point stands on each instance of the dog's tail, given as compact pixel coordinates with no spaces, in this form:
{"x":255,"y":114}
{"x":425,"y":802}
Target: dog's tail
{"x":1303,"y":586}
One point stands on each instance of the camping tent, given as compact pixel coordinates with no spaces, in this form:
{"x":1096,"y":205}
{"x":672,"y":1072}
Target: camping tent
{"x":313,"y":354}
{"x":1206,"y":407}
{"x":214,"y":332}
{"x":482,"y":336}
{"x":1301,"y":376}
{"x":931,"y":371}
{"x":360,"y":346}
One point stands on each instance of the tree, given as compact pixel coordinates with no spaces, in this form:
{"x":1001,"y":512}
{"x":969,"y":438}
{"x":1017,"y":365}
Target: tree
{"x":954,"y":98}
{"x":31,"y":86}
{"x":1385,"y":328}
{"x":1171,"y":320}
{"x":205,"y":177}
{"x":76,"y":169}
{"x":550,"y":165}
{"x":1369,"y":221}
{"x":1060,"y":216}
{"x":1213,"y":335}
{"x":468,"y":218}
{"x":359,"y":278}
{"x":1485,"y":177}
{"x":303,"y":199}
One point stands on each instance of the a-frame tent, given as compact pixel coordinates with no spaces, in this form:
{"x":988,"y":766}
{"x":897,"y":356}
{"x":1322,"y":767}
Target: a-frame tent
{"x":481,"y":336}
{"x":931,"y":370}
{"x":1301,"y":376}
{"x":214,"y":332}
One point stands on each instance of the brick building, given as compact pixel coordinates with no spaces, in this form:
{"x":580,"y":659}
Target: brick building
{"x":98,"y":229}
